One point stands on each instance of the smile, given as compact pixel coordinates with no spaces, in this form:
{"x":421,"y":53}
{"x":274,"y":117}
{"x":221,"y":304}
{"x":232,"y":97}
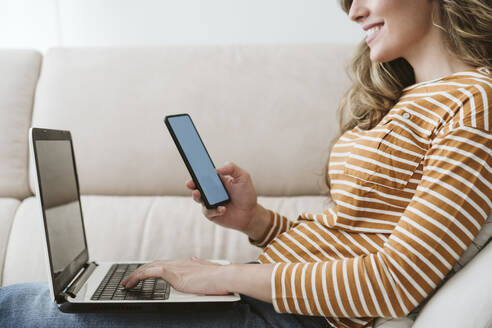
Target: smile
{"x":372,"y":33}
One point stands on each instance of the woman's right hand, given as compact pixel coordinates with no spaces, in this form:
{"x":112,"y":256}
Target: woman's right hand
{"x":238,"y":214}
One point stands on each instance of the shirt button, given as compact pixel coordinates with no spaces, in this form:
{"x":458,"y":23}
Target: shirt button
{"x":484,"y":70}
{"x":406,"y":116}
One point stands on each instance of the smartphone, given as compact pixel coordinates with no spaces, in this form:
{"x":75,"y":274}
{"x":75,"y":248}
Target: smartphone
{"x":197,"y":160}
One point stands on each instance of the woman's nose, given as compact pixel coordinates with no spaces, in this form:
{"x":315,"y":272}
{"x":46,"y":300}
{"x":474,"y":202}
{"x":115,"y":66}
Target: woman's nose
{"x":358,"y":10}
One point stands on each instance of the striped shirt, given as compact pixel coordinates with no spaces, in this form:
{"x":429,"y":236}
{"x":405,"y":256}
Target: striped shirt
{"x":409,"y":197}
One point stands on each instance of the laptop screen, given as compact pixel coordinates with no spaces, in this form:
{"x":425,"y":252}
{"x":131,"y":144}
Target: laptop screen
{"x":61,"y":207}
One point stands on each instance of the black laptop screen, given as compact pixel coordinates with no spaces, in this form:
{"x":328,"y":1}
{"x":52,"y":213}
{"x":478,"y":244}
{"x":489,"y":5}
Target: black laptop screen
{"x":60,"y":200}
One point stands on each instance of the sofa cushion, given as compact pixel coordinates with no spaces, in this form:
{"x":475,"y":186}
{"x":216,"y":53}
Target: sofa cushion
{"x":465,"y":300}
{"x":277,"y":102}
{"x":139,"y":228}
{"x":19,"y":70}
{"x":478,"y":243}
{"x":7,"y":213}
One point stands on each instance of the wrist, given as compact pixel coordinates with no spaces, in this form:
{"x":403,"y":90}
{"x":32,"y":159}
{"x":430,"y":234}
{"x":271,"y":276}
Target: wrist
{"x":227,"y":277}
{"x":258,"y":223}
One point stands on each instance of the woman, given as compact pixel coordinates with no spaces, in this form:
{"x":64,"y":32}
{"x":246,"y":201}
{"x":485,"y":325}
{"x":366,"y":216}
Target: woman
{"x":410,"y":177}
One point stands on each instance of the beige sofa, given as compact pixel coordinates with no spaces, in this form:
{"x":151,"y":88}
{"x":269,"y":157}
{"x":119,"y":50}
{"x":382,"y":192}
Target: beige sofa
{"x":270,"y":109}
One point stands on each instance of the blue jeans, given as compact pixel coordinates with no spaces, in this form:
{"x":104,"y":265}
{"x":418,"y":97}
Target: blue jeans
{"x":29,"y":305}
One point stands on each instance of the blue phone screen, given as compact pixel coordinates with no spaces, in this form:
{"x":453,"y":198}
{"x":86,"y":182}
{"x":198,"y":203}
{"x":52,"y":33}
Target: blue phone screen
{"x":198,"y":158}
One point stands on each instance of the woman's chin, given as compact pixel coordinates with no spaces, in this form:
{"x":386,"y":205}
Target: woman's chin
{"x":378,"y":56}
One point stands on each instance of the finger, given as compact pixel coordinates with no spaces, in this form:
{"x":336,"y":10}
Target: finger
{"x":124,"y":281}
{"x":226,"y":180}
{"x":190,"y":184}
{"x":213,"y":213}
{"x":143,"y":267}
{"x":137,"y":276}
{"x":231,"y":169}
{"x":197,"y":197}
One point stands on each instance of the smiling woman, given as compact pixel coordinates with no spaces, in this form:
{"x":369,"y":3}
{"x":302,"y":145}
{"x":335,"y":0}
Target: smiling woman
{"x":410,"y":179}
{"x":416,"y":39}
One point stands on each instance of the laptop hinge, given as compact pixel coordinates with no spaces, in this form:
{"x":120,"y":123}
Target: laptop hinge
{"x":77,"y":284}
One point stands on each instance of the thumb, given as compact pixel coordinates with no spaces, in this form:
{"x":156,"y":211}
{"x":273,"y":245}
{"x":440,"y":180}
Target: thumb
{"x":231,"y":169}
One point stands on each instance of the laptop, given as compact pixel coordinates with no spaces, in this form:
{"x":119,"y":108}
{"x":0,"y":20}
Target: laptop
{"x":78,"y":283}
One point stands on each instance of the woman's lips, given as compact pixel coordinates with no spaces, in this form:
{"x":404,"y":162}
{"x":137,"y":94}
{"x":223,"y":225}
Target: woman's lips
{"x":373,"y":32}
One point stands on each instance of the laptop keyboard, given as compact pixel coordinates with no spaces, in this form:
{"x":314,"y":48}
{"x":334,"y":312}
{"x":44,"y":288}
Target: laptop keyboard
{"x":149,"y":289}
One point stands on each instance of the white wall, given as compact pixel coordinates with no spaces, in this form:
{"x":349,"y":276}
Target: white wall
{"x":41,"y":24}
{"x":28,"y":24}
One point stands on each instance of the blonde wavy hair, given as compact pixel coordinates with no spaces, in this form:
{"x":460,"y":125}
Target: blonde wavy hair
{"x":466,"y":26}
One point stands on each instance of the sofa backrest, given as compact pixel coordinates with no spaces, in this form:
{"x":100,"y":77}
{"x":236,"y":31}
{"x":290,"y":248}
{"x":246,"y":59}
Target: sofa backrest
{"x":269,"y":108}
{"x":19,"y":71}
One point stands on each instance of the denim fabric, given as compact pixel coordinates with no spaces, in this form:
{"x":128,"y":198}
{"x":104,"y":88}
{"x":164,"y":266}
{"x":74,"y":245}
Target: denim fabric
{"x":29,"y":305}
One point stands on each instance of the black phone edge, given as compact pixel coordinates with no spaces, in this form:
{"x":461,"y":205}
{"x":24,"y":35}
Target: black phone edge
{"x":188,"y":166}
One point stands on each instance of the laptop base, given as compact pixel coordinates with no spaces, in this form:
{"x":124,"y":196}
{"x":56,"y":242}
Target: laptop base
{"x":68,"y":307}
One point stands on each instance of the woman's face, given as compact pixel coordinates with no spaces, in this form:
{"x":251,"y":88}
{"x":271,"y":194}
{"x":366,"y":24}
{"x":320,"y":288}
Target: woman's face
{"x":392,"y":27}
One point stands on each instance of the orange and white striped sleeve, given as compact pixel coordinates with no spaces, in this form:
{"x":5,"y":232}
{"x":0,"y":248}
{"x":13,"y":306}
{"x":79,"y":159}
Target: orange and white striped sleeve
{"x":445,"y":214}
{"x":277,"y":225}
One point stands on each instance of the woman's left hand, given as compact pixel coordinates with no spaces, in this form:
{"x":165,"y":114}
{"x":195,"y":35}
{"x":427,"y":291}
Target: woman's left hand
{"x":195,"y":276}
